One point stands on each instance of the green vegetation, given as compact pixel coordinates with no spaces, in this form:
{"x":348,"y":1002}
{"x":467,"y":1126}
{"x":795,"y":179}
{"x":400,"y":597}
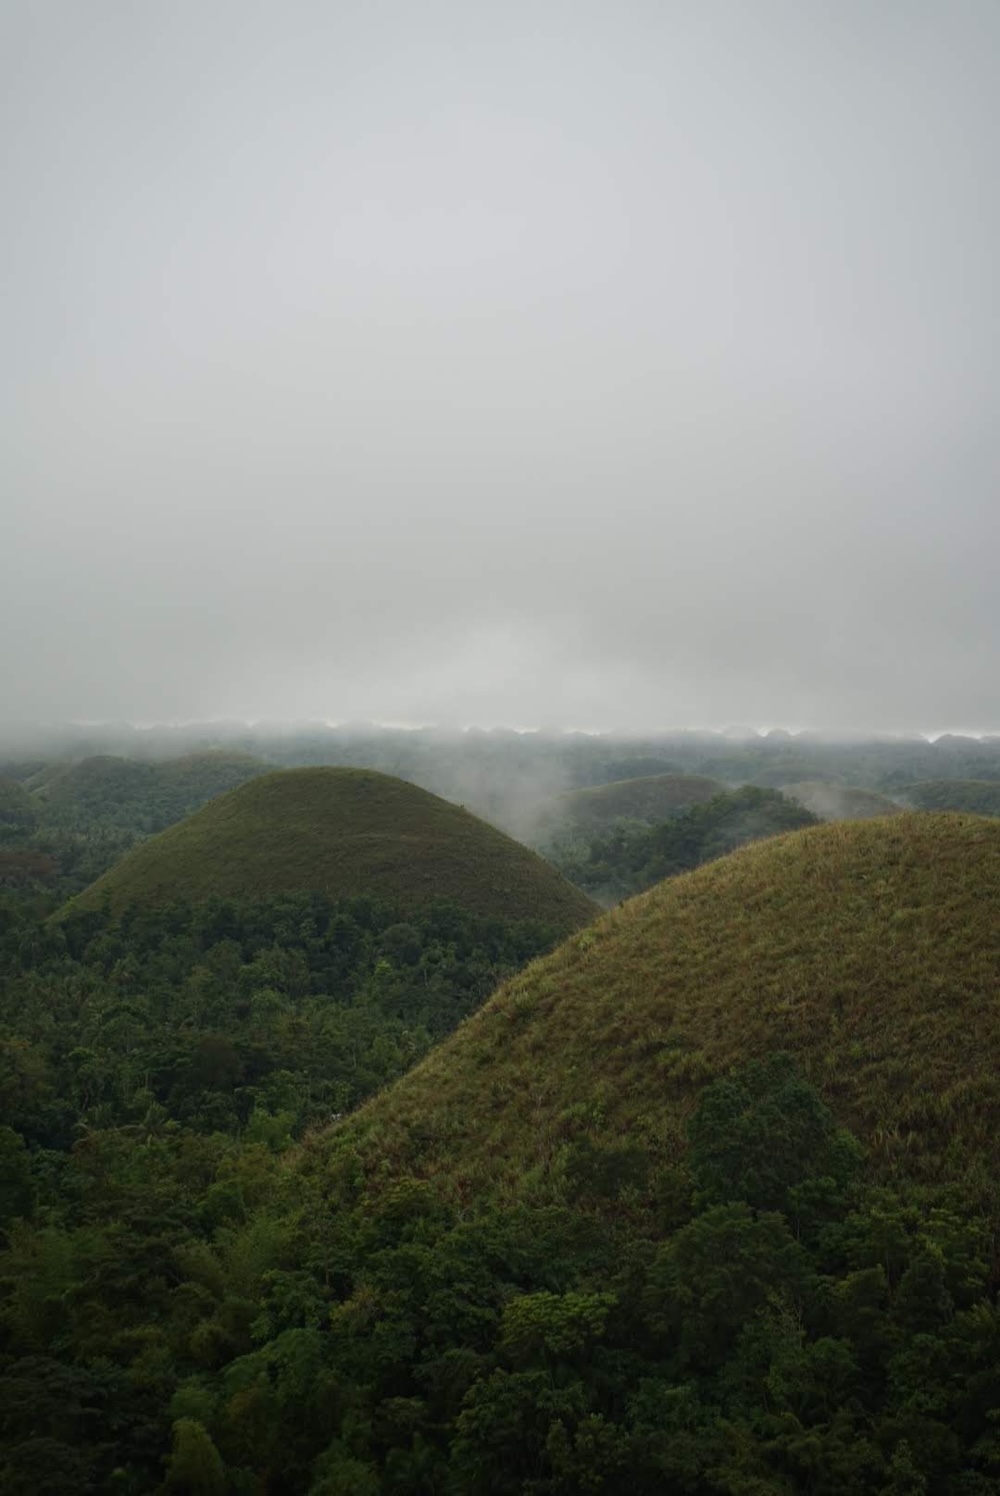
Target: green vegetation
{"x":17,"y":813}
{"x":505,"y":777}
{"x":650,"y":798}
{"x":199,"y":1317}
{"x":154,"y":1070}
{"x":704,"y":1201}
{"x":839,"y":802}
{"x":346,"y":833}
{"x":979,"y":797}
{"x":63,"y":825}
{"x":137,"y":796}
{"x":633,"y":856}
{"x":273,"y":1013}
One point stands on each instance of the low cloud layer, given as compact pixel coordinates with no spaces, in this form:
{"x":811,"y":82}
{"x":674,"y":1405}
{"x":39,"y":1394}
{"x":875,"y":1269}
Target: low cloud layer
{"x":612,"y":366}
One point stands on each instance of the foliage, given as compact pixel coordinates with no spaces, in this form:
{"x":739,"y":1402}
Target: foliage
{"x":64,"y":825}
{"x":17,"y":811}
{"x":647,"y":798}
{"x":979,"y":797}
{"x":634,"y":856}
{"x":317,"y":1340}
{"x":133,"y":795}
{"x":612,"y":1236}
{"x":255,"y":1018}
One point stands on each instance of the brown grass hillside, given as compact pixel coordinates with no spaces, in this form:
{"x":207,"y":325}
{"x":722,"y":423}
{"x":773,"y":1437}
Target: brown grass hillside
{"x":870,"y":950}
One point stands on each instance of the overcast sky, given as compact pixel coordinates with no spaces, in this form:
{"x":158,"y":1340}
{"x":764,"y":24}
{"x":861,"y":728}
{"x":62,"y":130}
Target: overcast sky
{"x":611,"y":364}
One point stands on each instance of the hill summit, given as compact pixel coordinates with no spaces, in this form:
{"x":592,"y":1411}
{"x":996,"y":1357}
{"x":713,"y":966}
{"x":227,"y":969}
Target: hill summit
{"x":867,"y":950}
{"x":345,"y":833}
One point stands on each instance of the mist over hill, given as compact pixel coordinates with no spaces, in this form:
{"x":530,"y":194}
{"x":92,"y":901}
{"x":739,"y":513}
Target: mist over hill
{"x":509,"y":777}
{"x":569,"y":1104}
{"x":840,"y":802}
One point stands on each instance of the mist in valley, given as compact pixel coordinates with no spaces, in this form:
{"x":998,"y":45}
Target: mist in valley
{"x":499,"y":747}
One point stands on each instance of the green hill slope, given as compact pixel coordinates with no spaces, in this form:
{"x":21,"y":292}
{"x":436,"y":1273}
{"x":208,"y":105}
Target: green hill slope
{"x":868,"y":950}
{"x":652,"y":798}
{"x":342,"y":832}
{"x":839,"y":802}
{"x":976,"y":796}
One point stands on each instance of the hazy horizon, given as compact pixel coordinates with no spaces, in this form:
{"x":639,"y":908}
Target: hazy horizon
{"x":830,"y":732}
{"x":540,"y":364}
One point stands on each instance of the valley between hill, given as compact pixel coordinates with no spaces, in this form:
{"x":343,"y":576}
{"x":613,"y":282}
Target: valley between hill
{"x":324,"y":1172}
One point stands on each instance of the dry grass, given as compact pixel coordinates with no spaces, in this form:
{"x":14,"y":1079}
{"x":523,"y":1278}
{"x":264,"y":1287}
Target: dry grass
{"x":870,"y":950}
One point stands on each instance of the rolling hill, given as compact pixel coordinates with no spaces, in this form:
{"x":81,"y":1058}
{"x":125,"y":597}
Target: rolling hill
{"x":125,"y":791}
{"x":632,"y":857}
{"x":345,"y":833}
{"x":839,"y":802}
{"x":651,"y":798}
{"x":975,"y":796}
{"x":869,"y":950}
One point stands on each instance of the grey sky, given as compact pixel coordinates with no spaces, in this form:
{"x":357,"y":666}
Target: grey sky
{"x":606,"y":364}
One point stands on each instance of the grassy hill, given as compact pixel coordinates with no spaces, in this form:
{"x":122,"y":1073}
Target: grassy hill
{"x":976,"y":796}
{"x":652,"y":798}
{"x":342,"y":832}
{"x":839,"y":802}
{"x":867,"y":949}
{"x":552,"y":1258}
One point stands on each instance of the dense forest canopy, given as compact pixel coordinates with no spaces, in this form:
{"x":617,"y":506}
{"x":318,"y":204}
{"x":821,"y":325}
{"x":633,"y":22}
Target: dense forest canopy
{"x":633,"y":855}
{"x":279,"y":1212}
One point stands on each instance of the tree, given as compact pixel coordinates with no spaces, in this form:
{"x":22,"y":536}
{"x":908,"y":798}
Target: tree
{"x":765,"y":1135}
{"x":195,"y":1466}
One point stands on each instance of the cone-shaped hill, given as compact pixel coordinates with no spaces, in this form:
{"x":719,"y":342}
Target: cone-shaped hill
{"x":652,"y":797}
{"x":346,"y":833}
{"x":869,"y":950}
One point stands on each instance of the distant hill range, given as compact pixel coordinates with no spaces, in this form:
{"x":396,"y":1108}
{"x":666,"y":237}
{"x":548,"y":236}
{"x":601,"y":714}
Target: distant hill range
{"x":631,"y":856}
{"x":125,"y":791}
{"x":976,"y":796}
{"x":346,"y":833}
{"x":650,"y":798}
{"x":839,"y":802}
{"x":868,"y":950}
